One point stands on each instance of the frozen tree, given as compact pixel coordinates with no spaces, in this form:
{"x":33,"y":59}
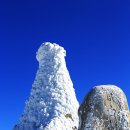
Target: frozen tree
{"x":52,"y":104}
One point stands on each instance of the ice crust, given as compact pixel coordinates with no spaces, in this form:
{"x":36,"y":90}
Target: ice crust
{"x":52,"y":104}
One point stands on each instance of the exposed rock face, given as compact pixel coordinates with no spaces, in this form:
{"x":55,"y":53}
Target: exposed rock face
{"x":52,"y":104}
{"x":104,"y":108}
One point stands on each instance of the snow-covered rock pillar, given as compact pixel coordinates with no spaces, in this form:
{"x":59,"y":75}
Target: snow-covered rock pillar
{"x":52,"y":104}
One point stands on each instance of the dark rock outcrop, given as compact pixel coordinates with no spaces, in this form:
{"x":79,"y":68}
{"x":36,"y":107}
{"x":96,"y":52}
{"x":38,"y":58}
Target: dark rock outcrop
{"x":104,"y":108}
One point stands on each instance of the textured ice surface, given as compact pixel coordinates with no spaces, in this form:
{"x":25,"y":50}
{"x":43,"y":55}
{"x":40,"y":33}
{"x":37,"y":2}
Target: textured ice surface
{"x":104,"y":108}
{"x":52,"y":104}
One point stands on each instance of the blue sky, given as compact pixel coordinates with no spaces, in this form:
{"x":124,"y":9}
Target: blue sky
{"x":95,"y":33}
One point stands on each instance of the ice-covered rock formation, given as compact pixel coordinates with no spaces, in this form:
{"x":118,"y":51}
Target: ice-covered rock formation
{"x":52,"y":104}
{"x":104,"y":108}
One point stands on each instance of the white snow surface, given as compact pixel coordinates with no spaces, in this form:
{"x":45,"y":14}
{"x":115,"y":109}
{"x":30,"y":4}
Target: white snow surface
{"x":52,"y":104}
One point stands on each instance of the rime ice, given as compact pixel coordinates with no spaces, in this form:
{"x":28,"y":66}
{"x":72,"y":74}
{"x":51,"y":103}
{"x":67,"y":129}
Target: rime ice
{"x":52,"y":104}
